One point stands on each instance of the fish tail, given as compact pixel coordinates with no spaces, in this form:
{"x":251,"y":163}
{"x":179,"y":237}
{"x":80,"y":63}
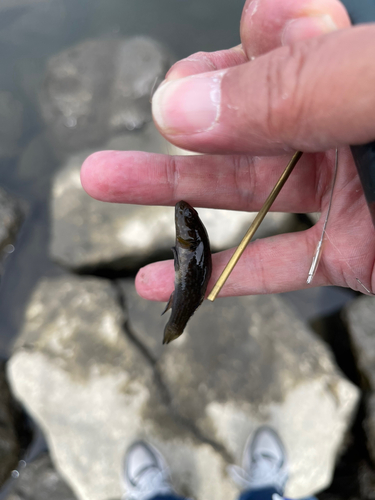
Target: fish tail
{"x":171,"y":333}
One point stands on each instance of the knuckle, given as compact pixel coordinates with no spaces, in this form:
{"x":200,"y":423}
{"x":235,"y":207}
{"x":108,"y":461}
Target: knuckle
{"x":244,"y":180}
{"x":205,"y":57}
{"x":171,"y":176}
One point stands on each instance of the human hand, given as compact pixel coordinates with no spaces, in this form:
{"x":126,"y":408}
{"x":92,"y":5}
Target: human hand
{"x":305,"y":90}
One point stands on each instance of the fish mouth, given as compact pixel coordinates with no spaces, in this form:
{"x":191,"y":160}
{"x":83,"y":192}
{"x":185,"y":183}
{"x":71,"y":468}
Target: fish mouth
{"x":182,"y":205}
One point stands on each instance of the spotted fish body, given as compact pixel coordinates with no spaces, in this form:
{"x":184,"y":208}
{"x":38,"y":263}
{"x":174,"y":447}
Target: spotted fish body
{"x":193,"y":266}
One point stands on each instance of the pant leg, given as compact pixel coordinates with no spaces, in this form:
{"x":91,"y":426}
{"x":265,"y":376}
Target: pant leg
{"x":265,"y":494}
{"x":171,"y":496}
{"x":305,"y":498}
{"x":261,"y":494}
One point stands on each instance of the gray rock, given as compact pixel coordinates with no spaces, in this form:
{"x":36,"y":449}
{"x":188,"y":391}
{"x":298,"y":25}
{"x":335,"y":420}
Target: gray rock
{"x":314,"y":217}
{"x":247,"y":361}
{"x":11,"y":124}
{"x":97,"y":383}
{"x":89,"y":234}
{"x":369,"y":424}
{"x":227,"y":227}
{"x":366,"y":478}
{"x":360,"y":316}
{"x":140,"y":66}
{"x":11,"y":215}
{"x":9,"y":445}
{"x":40,"y":481}
{"x":319,"y":302}
{"x":241,"y":362}
{"x":100,"y":87}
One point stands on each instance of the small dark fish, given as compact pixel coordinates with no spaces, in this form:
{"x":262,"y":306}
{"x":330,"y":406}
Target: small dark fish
{"x":193,"y":266}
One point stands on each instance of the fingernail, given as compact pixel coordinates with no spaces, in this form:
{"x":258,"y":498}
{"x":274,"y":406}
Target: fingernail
{"x":188,"y":105}
{"x":251,"y":7}
{"x":307,"y":27}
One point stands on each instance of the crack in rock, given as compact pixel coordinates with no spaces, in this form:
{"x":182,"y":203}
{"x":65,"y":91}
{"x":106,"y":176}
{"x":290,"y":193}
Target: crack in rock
{"x":165,"y":394}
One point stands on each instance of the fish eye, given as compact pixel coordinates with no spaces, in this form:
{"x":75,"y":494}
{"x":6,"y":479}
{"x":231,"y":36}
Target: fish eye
{"x":188,"y":214}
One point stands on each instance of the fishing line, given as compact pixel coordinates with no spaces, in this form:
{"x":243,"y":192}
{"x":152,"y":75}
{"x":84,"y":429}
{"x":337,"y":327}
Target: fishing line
{"x":154,"y":87}
{"x":318,"y":251}
{"x":367,"y":290}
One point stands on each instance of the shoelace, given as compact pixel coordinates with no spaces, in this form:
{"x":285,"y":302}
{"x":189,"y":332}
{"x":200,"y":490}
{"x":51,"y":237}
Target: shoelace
{"x":262,"y":473}
{"x":151,"y":483}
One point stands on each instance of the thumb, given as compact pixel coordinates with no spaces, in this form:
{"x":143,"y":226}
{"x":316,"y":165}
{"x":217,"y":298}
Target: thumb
{"x":311,"y":96}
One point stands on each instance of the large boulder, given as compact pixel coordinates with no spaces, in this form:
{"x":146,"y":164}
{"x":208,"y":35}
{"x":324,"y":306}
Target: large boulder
{"x":360,"y":316}
{"x":90,"y":368}
{"x":99,"y":88}
{"x":99,"y":392}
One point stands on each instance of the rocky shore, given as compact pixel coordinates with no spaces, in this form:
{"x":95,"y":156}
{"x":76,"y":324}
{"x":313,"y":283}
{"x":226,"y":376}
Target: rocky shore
{"x":88,"y":366}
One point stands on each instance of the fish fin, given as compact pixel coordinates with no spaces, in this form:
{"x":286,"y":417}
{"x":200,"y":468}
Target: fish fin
{"x":175,"y":255}
{"x":165,"y":341}
{"x":169,"y":304}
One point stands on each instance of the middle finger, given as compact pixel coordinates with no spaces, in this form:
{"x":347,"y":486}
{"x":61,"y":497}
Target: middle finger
{"x":235,"y":182}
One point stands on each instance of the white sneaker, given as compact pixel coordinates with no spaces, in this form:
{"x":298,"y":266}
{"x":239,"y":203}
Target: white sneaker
{"x":145,"y":473}
{"x":264,"y":463}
